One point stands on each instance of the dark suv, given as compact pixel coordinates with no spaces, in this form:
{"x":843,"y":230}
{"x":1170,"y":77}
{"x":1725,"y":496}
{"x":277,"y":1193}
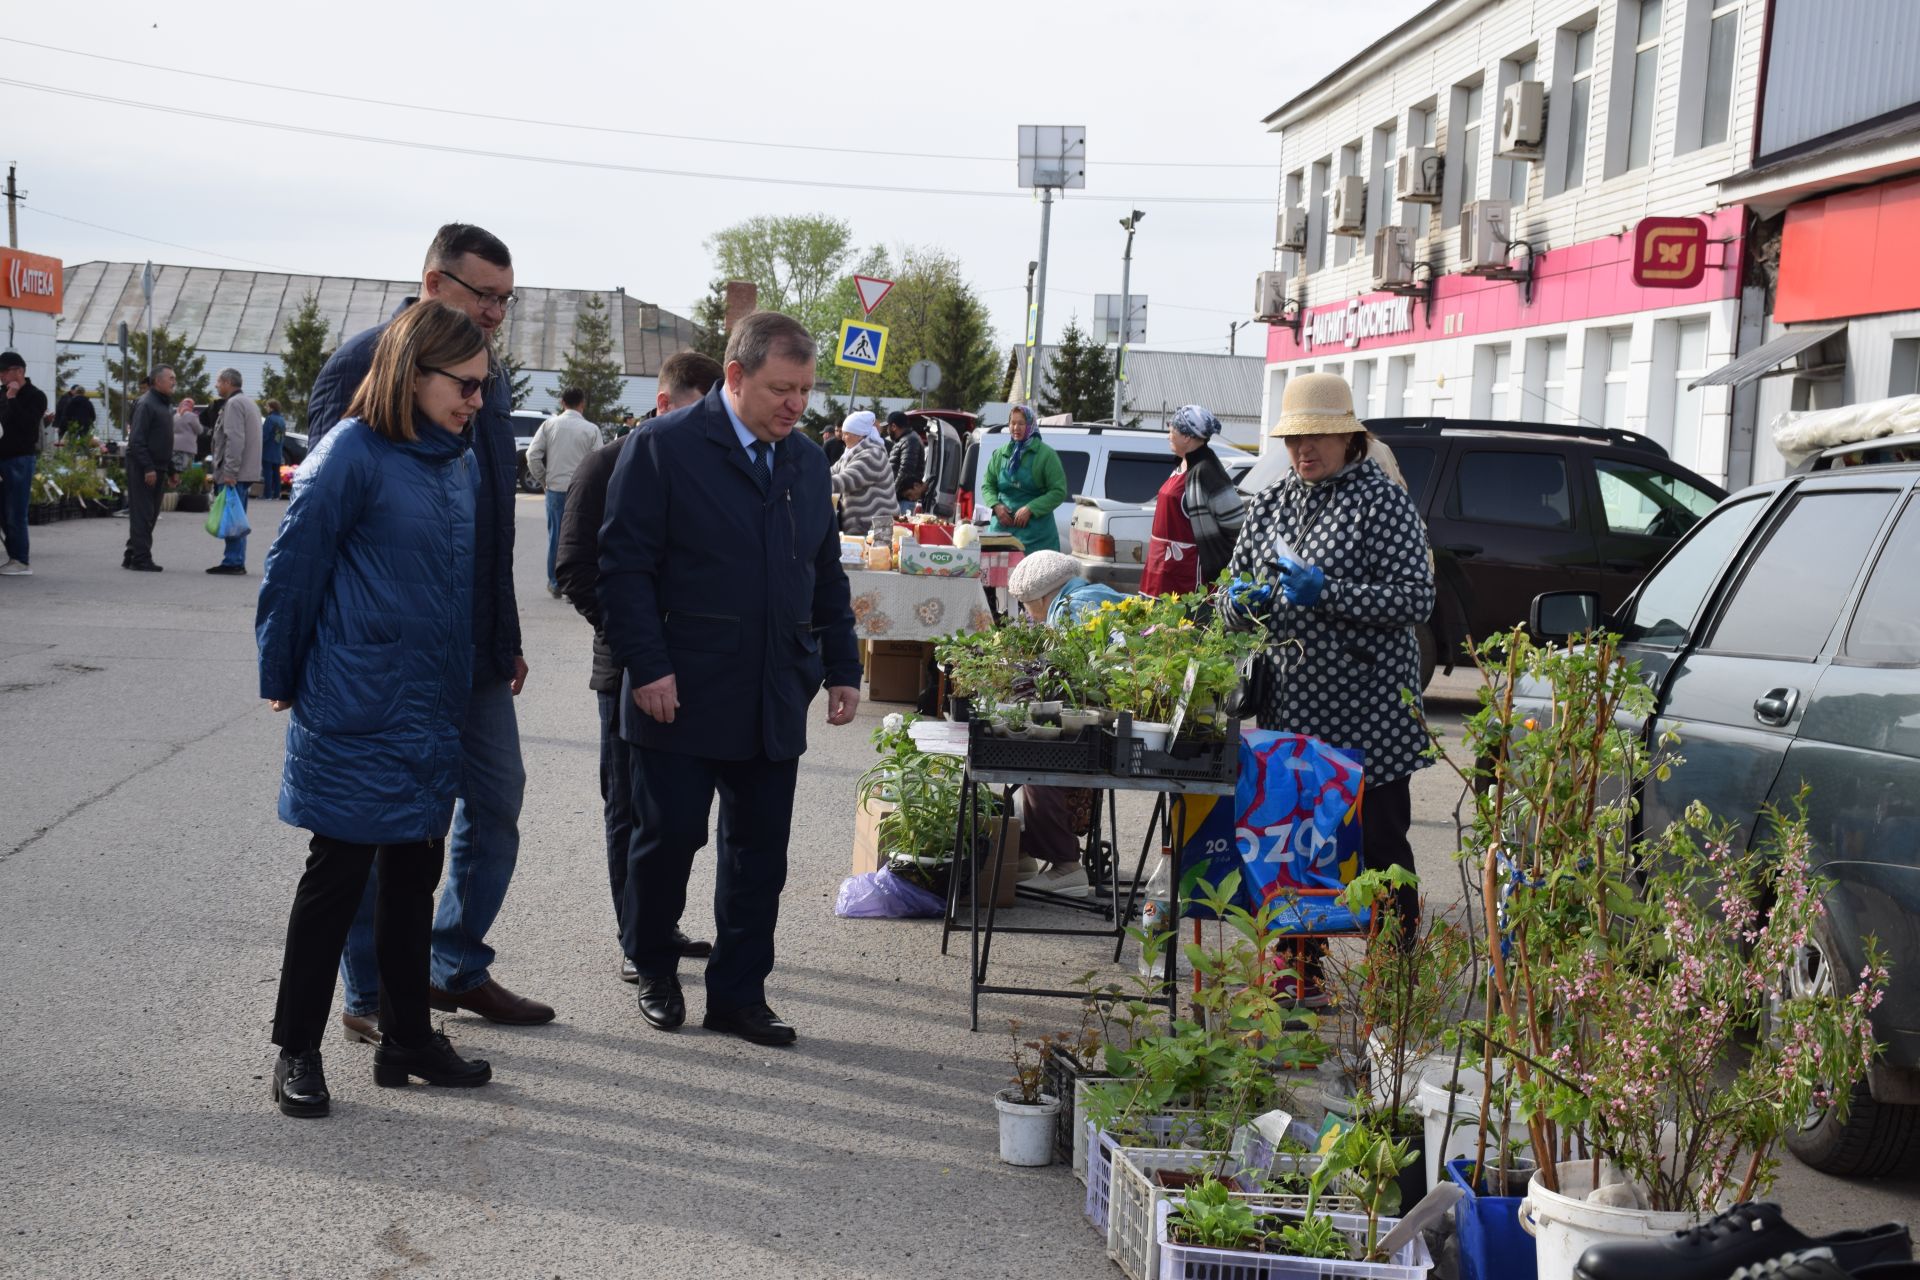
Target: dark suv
{"x":1516,"y":508}
{"x":1782,"y":638}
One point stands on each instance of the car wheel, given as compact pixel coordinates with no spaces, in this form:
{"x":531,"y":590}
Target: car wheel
{"x":1876,"y":1138}
{"x":1429,"y":654}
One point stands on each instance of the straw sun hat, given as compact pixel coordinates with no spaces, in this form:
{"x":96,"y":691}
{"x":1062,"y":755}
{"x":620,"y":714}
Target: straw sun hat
{"x":1316,"y":404}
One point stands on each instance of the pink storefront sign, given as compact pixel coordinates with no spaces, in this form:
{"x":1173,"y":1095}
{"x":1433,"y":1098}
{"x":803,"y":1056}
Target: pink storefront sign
{"x":1581,"y":282}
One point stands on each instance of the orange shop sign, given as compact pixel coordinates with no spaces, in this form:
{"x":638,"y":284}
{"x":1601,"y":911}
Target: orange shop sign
{"x":1669,"y":253}
{"x":30,"y":281}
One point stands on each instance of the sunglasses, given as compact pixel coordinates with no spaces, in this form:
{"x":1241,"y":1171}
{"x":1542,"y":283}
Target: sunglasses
{"x":468,"y":386}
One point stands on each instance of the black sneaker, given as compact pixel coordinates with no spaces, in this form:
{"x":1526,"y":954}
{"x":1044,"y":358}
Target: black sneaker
{"x":1744,"y":1236}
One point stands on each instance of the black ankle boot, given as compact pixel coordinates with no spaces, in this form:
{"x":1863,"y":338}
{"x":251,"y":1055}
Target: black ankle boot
{"x":300,"y":1086}
{"x":435,"y":1062}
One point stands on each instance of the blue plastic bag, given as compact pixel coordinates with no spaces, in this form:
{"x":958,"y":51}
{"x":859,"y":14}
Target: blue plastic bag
{"x":233,"y":514}
{"x":882,"y":895}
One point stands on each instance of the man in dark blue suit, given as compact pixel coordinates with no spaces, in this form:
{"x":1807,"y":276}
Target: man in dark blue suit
{"x":726,"y":610}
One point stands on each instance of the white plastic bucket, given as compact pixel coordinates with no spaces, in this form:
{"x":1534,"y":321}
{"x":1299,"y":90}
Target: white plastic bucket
{"x":1152,"y":734}
{"x":1380,"y":1069}
{"x":1026,"y":1131}
{"x":1433,"y":1098}
{"x":1563,"y":1223}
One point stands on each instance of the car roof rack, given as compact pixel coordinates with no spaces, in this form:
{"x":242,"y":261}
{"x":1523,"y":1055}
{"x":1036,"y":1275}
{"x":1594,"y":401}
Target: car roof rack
{"x":1091,"y":428}
{"x":1437,"y":426}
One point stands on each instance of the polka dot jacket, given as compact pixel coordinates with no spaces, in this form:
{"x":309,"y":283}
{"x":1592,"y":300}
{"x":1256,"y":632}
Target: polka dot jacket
{"x":1335,"y":668}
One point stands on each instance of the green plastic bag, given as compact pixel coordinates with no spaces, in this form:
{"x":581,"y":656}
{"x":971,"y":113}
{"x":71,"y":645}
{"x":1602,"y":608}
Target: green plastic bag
{"x":215,"y":509}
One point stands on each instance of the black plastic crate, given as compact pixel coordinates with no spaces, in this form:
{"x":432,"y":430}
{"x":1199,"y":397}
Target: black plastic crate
{"x":1087,"y":753}
{"x":1185,"y":759}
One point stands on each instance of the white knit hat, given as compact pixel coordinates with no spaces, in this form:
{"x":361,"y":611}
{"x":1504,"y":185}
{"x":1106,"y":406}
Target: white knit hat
{"x":861,"y":424}
{"x":1041,"y":574}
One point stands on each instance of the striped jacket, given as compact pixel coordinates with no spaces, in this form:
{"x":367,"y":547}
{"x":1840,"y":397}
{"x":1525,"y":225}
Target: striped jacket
{"x":864,"y":482}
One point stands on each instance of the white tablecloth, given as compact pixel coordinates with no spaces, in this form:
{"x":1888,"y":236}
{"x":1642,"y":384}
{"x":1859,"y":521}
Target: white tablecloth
{"x":898,"y":606}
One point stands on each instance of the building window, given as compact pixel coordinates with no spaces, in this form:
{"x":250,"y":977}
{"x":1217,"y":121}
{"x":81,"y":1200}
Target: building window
{"x":1546,"y":381}
{"x":1493,"y":381}
{"x":1517,"y":172}
{"x":1365,"y":389}
{"x":1380,"y":183}
{"x":1576,"y":90}
{"x":1723,"y":47}
{"x":1399,"y":374}
{"x":1317,"y":215}
{"x":1903,"y":378}
{"x":1463,"y":152}
{"x":1422,"y":129}
{"x":1689,"y":338}
{"x":1349,"y":168}
{"x":1636,"y":82}
{"x":1609,"y":361}
{"x":1293,"y":263}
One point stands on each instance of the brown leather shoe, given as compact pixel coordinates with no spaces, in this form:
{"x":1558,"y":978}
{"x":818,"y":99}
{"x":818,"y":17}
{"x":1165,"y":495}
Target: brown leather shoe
{"x":360,"y":1030}
{"x":494,"y":1003}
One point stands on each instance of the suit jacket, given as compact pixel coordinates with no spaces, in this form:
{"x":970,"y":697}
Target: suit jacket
{"x":576,"y":561}
{"x":736,"y":593}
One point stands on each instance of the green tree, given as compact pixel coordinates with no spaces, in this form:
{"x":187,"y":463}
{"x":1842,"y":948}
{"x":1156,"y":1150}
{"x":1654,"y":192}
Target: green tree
{"x":962,"y":344}
{"x":63,"y":362}
{"x":519,"y":382}
{"x":797,"y":262}
{"x":173,"y":350}
{"x":710,"y":321}
{"x":931,"y":313}
{"x":590,"y":366}
{"x":303,"y":353}
{"x":1079,"y":378}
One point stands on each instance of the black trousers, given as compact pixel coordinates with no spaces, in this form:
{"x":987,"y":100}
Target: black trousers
{"x":1386,"y":815}
{"x":672,"y":807}
{"x":143,"y":508}
{"x":323,"y":910}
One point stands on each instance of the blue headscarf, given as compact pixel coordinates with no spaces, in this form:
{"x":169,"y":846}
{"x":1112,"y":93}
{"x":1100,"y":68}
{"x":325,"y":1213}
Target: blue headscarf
{"x":1020,"y":446}
{"x":1194,"y":420}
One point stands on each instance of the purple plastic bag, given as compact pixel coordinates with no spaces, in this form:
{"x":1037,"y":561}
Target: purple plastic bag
{"x":881,"y":895}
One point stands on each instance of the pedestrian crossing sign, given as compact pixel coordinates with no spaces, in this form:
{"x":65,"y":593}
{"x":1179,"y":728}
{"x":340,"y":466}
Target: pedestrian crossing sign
{"x":863,"y":345}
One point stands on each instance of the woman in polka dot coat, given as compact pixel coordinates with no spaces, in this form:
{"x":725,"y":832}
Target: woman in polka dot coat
{"x":1341,"y":608}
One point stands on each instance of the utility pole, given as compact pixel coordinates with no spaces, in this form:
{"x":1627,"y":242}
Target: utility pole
{"x":1129,"y":222}
{"x":1040,"y":292}
{"x":1233,"y":335}
{"x":1027,"y":365}
{"x":13,"y":208}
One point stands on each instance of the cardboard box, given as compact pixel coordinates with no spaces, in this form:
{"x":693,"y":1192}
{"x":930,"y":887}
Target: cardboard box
{"x":924,"y":561}
{"x":895,"y":670}
{"x":866,"y":848}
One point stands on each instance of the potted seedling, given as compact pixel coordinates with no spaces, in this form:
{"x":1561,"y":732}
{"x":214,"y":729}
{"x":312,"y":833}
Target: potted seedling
{"x":1026,"y":1111}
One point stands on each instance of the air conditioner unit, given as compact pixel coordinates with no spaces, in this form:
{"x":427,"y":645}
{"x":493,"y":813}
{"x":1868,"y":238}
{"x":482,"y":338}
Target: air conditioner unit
{"x":1392,"y":257}
{"x":1350,"y":207}
{"x":1269,"y":296}
{"x":1290,"y":230}
{"x":1523,"y":118}
{"x":1416,"y":177}
{"x":1486,"y":228}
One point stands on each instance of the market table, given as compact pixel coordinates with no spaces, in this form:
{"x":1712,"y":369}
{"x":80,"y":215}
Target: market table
{"x":903,"y":606}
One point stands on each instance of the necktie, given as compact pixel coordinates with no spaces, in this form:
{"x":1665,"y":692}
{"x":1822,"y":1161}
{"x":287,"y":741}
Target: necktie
{"x":763,"y":463}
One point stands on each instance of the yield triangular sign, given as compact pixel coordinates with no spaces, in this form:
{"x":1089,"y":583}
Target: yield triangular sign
{"x":871,"y":290}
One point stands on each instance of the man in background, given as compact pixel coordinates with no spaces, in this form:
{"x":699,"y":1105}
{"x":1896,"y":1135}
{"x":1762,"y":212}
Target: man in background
{"x":75,"y":414}
{"x":685,"y":378}
{"x":186,"y":436}
{"x":22,"y":407}
{"x":149,"y":454}
{"x":236,"y":458}
{"x":907,"y":457}
{"x":553,"y":456}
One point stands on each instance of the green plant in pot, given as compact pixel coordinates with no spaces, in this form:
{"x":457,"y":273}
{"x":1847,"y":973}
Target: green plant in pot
{"x":917,"y":833}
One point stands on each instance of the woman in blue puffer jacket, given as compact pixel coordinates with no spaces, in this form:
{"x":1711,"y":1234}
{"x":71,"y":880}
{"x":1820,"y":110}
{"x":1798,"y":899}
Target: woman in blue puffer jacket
{"x":365,"y":632}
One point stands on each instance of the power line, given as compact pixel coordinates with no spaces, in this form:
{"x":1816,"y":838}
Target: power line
{"x":604,"y":165}
{"x":595,"y":128}
{"x":171,"y":244}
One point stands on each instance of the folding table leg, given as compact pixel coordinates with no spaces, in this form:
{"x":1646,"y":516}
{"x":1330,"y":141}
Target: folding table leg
{"x":963,"y":841}
{"x":1139,"y":869}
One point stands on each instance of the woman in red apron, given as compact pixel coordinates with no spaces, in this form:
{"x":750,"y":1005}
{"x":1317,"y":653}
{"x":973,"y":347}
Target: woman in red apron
{"x":1198,"y":513}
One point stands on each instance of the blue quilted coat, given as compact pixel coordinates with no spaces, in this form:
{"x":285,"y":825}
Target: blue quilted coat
{"x":365,"y":625}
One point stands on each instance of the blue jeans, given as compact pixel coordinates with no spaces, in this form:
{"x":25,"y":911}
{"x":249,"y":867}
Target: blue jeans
{"x":16,"y":491}
{"x":237,"y":547}
{"x":481,"y":853}
{"x":270,"y":476}
{"x":556,"y":507}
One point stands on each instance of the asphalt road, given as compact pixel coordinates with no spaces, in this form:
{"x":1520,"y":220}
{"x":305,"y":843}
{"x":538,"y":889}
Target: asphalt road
{"x":144,"y":884}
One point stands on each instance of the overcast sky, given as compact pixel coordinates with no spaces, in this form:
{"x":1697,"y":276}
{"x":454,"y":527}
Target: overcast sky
{"x":1186,"y":83}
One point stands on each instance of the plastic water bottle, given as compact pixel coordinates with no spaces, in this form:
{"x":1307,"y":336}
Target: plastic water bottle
{"x":1156,"y":915}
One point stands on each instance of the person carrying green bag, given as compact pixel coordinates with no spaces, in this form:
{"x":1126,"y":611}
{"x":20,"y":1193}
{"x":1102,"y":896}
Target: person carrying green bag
{"x":1023,"y":483}
{"x":235,"y":467}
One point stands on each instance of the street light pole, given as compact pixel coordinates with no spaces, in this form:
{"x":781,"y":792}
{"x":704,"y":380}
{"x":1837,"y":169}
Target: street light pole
{"x":1040,"y":290}
{"x":1126,"y":309}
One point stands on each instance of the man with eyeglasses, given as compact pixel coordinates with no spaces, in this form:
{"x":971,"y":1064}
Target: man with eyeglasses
{"x":468,"y":268}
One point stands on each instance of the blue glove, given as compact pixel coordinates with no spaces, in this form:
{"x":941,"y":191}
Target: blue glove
{"x":1244,"y":597}
{"x":1300,"y":583}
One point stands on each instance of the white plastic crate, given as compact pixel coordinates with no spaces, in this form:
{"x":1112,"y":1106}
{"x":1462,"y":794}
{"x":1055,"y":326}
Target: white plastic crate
{"x":1190,"y":1262}
{"x":1133,"y":1198}
{"x":1165,"y":1131}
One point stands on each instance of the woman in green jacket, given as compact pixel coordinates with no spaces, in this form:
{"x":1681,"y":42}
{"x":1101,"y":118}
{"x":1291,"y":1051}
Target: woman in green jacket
{"x":1023,"y":483}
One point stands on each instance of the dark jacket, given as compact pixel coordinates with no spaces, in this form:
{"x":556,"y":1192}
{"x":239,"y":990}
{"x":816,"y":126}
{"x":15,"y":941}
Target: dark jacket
{"x":496,"y":613}
{"x":737,"y":594}
{"x":75,"y":411}
{"x":576,"y":561}
{"x":273,"y":429}
{"x":150,"y":438}
{"x":1215,"y":510}
{"x":362,"y":625}
{"x":20,"y":421}
{"x":908,"y":458}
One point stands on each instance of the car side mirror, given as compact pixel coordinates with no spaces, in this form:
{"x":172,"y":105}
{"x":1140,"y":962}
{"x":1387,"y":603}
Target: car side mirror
{"x":1556,"y":615}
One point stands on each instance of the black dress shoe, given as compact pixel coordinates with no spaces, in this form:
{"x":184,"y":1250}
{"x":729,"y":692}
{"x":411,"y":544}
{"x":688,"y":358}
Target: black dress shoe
{"x":232,"y":570}
{"x":1744,"y":1236}
{"x":143,"y":566}
{"x":627,"y":972}
{"x":394,"y":1064}
{"x":662,"y":1004}
{"x":755,"y":1022}
{"x":692,"y":948}
{"x":300,"y":1086}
